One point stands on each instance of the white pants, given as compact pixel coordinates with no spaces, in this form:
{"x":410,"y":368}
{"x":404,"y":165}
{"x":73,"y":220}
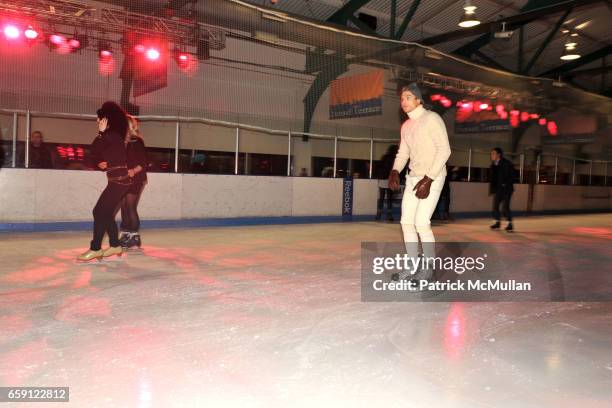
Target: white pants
{"x":416,"y":217}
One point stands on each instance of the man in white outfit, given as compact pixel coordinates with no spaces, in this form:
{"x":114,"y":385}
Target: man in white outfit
{"x":425,"y":142}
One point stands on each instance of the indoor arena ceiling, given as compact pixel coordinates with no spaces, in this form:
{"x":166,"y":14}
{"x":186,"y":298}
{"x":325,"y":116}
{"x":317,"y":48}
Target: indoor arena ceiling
{"x":435,"y":23}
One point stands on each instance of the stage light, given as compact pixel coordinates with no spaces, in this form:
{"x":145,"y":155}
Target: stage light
{"x":542,"y":121}
{"x":484,"y":106}
{"x":78,"y":42}
{"x":153,"y":54}
{"x":552,"y":128}
{"x":182,"y":58}
{"x":524,"y":116}
{"x":534,"y":116}
{"x":514,"y":112}
{"x":30,"y":33}
{"x":104,"y":50}
{"x":11,"y":32}
{"x":466,"y":105}
{"x":435,"y":97}
{"x":57,"y":39}
{"x":514,"y":121}
{"x":446,"y":102}
{"x":139,"y":48}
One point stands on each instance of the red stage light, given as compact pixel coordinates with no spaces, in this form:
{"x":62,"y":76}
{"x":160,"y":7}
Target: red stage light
{"x":514,"y":121}
{"x":524,"y":116}
{"x":139,"y":48}
{"x":514,"y":112}
{"x":153,"y":54}
{"x":552,"y":128}
{"x":435,"y":97}
{"x":446,"y":102}
{"x":542,"y":121}
{"x":30,"y":33}
{"x":106,"y":54}
{"x":534,"y":116}
{"x":466,"y":105}
{"x":503,"y":115}
{"x":57,"y":39}
{"x":74,"y":43}
{"x":11,"y":32}
{"x":500,"y":108}
{"x":484,"y":106}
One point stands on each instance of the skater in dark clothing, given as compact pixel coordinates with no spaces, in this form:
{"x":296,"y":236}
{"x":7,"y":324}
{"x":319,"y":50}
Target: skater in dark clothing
{"x":384,"y":168}
{"x":109,"y":153}
{"x":501,"y":186}
{"x":137,"y":168}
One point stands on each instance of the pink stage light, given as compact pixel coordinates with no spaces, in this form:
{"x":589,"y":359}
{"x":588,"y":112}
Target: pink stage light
{"x":11,"y":32}
{"x":30,"y":33}
{"x":153,"y":54}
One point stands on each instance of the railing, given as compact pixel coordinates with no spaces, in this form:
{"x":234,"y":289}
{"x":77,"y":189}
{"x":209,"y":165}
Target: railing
{"x":540,"y":158}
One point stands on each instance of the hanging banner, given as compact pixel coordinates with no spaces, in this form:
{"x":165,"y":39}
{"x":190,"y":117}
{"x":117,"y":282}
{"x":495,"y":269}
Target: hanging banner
{"x":356,"y":96}
{"x":468,"y":121}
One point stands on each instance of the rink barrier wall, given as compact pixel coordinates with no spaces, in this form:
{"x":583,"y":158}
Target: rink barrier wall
{"x":63,"y":199}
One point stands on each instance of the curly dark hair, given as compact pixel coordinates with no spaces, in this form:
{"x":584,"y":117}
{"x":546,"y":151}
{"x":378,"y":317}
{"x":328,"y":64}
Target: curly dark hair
{"x":117,"y":117}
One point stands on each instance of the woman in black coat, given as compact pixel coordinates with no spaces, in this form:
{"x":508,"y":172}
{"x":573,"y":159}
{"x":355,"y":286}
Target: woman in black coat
{"x":137,"y":169}
{"x":108,"y":150}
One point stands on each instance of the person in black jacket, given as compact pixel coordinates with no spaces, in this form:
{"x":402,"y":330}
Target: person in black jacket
{"x":501,"y":186}
{"x":137,"y":168}
{"x":109,"y":153}
{"x":385,"y":166}
{"x":40,"y":155}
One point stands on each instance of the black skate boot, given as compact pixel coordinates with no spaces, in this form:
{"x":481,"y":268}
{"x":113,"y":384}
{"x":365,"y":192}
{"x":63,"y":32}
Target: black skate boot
{"x":495,"y":226}
{"x":124,"y":238}
{"x":133,"y":241}
{"x":509,"y":227}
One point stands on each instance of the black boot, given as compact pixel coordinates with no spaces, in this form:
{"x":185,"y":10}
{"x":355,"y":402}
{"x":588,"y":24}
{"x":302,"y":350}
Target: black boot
{"x":389,"y":217}
{"x":509,"y":227}
{"x":124,"y":238}
{"x":495,"y":226}
{"x":133,"y":241}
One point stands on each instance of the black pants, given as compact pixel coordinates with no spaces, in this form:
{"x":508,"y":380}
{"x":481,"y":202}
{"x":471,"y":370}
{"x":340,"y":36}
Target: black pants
{"x":382,"y":192}
{"x":104,"y":215}
{"x":503,"y":198}
{"x":130,"y":221}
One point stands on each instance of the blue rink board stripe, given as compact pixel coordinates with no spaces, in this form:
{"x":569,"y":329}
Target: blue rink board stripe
{"x":246,"y":221}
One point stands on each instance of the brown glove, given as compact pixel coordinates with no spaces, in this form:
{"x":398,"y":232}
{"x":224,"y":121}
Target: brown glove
{"x":422,"y":188}
{"x":394,"y":180}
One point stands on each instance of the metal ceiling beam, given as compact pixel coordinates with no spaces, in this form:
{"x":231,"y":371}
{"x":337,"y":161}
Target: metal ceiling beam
{"x":489,"y":60}
{"x":591,"y":71}
{"x":402,"y":28}
{"x":594,"y":56}
{"x":392,"y":19}
{"x":347,"y":11}
{"x":546,"y":41}
{"x":513,"y":21}
{"x":520,"y":49}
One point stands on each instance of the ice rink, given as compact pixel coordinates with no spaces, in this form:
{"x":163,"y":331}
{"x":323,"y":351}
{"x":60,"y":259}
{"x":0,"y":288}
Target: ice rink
{"x":272,"y":316}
